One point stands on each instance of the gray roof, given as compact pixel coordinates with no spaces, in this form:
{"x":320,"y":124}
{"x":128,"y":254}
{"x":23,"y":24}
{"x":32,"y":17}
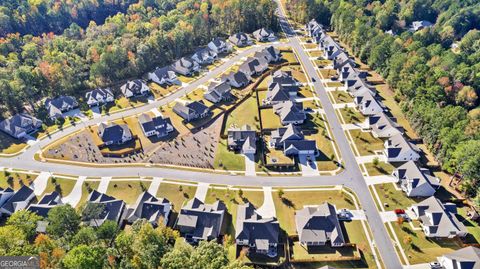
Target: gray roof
{"x":236,"y":77}
{"x":289,"y":111}
{"x":113,"y":132}
{"x":217,"y":91}
{"x":253,"y":65}
{"x":263,"y":33}
{"x":253,"y":227}
{"x":165,"y":72}
{"x":55,"y":107}
{"x":283,"y":77}
{"x":20,"y":123}
{"x":7,"y":192}
{"x":193,"y":108}
{"x":219,"y":42}
{"x":24,"y":194}
{"x":47,"y":202}
{"x":280,"y":93}
{"x":381,"y":123}
{"x":203,"y":54}
{"x":319,"y":224}
{"x":397,"y":144}
{"x":283,"y":134}
{"x":237,"y":137}
{"x":439,"y":218}
{"x":292,"y":147}
{"x":113,"y":207}
{"x":158,"y":123}
{"x":184,"y":65}
{"x":410,"y":173}
{"x":201,"y":221}
{"x":133,"y":86}
{"x":150,"y":208}
{"x":239,"y":39}
{"x":99,"y":93}
{"x":465,"y":258}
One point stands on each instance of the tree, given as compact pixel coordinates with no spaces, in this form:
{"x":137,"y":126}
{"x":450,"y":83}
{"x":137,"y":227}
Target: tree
{"x":92,"y":212}
{"x":179,"y":257}
{"x":84,"y":257}
{"x":63,"y":221}
{"x":49,"y":251}
{"x":376,"y":162}
{"x":209,"y":255}
{"x":280,"y":193}
{"x":85,"y":236}
{"x":108,"y":230}
{"x":26,"y":221}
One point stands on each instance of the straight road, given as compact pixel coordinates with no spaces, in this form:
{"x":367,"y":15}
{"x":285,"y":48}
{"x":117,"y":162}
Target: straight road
{"x":355,"y":179}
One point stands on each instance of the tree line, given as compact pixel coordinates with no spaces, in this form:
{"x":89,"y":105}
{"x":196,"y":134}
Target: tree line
{"x":68,"y":243}
{"x":434,"y":72}
{"x":127,"y":45}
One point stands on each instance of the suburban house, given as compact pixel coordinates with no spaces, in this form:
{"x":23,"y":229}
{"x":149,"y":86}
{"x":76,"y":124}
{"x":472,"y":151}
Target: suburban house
{"x":257,"y":233}
{"x":313,"y":28}
{"x":48,"y":201}
{"x":299,"y":147}
{"x":398,"y":149}
{"x":438,"y":220}
{"x":278,"y":93}
{"x":279,"y":136}
{"x":134,"y":88}
{"x":18,"y":201}
{"x":367,"y":104}
{"x":157,"y":126}
{"x":113,"y":208}
{"x":20,"y":125}
{"x":330,"y":48}
{"x":242,"y":139}
{"x":198,"y":221}
{"x":318,"y":225}
{"x":185,"y":66}
{"x":240,"y":40}
{"x":271,"y":54}
{"x":236,"y":79}
{"x":464,"y":258}
{"x":383,"y":126}
{"x":419,"y":25}
{"x":204,"y":56}
{"x":99,"y":96}
{"x":343,"y":60}
{"x":57,"y":106}
{"x":253,"y":66}
{"x":5,"y":194}
{"x":155,"y":210}
{"x":284,"y":78}
{"x":416,"y":182}
{"x":163,"y":76}
{"x":218,"y":91}
{"x":290,"y":112}
{"x":264,"y":35}
{"x":357,"y":86}
{"x":191,"y":111}
{"x":113,"y":133}
{"x":218,"y":45}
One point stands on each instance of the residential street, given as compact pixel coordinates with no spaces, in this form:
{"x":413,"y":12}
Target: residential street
{"x":351,"y":176}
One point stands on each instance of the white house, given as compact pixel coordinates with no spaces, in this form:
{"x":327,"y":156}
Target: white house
{"x":163,"y":76}
{"x":99,"y":96}
{"x":464,"y":258}
{"x":368,"y":104}
{"x":135,"y":88}
{"x":398,"y":149}
{"x":416,"y":182}
{"x":219,"y":45}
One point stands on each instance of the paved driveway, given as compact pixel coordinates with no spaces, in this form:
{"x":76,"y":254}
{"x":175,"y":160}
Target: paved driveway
{"x":76,"y":194}
{"x":308,"y":169}
{"x":153,"y":189}
{"x":40,"y":183}
{"x":103,"y":186}
{"x":201,"y":192}
{"x":267,"y":210}
{"x":250,"y":165}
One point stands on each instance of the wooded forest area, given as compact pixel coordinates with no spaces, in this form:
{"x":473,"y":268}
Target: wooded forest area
{"x":151,"y":33}
{"x":435,"y":72}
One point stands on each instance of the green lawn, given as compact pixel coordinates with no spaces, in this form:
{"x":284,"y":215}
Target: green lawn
{"x":316,"y":130}
{"x":316,"y":53}
{"x":393,"y":197}
{"x":327,"y":73}
{"x":15,"y":180}
{"x":296,"y":200}
{"x":244,"y":113}
{"x":176,"y":194}
{"x":354,"y":233}
{"x":10,"y":145}
{"x":228,"y":160}
{"x":420,"y":249}
{"x":128,"y":191}
{"x":334,"y":84}
{"x":87,"y":185}
{"x":351,"y":115}
{"x":472,"y":226}
{"x":270,"y":120}
{"x":61,"y":185}
{"x":341,"y":97}
{"x":289,"y":57}
{"x":381,"y":169}
{"x":366,"y":143}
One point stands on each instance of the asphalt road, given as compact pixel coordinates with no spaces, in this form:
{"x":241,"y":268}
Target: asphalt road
{"x":350,"y":177}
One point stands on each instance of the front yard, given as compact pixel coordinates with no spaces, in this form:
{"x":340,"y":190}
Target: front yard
{"x":128,"y":191}
{"x":228,"y":160}
{"x":393,"y":197}
{"x":15,"y":180}
{"x":177,"y":194}
{"x":366,"y":143}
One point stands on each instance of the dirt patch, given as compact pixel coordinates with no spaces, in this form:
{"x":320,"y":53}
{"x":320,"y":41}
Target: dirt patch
{"x":193,"y":150}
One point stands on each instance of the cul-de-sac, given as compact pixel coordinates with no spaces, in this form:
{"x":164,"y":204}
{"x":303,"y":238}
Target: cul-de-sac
{"x":226,"y":134}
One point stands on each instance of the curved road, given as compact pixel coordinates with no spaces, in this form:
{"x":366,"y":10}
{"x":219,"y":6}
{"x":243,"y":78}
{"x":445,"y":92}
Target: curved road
{"x":351,"y":177}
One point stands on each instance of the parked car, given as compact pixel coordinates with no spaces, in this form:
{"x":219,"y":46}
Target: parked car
{"x":399,"y":211}
{"x":344,"y":214}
